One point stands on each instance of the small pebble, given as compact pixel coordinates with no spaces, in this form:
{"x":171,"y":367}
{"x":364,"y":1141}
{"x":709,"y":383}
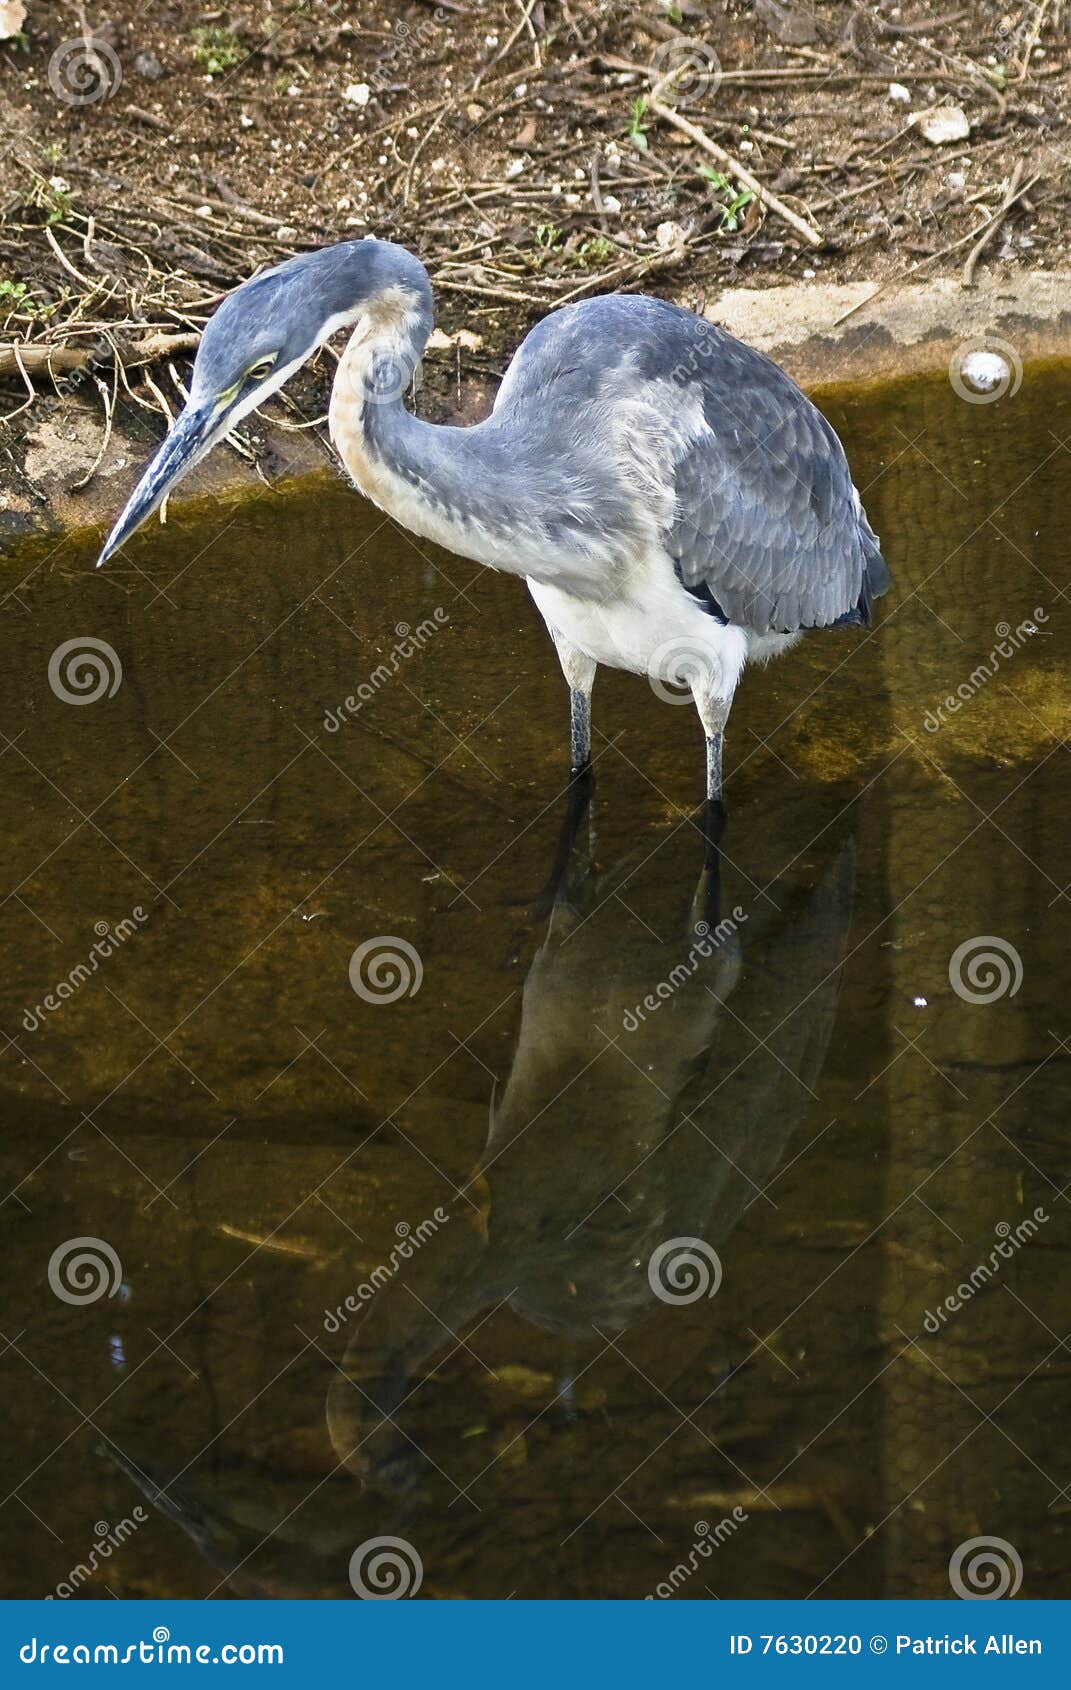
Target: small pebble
{"x":942,"y":125}
{"x":984,"y":371}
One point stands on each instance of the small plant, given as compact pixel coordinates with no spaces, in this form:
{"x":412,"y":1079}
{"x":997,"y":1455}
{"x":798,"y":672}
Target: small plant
{"x":637,"y":129}
{"x":53,"y":197}
{"x":595,"y":251}
{"x":739,"y":199}
{"x":15,"y":298}
{"x":53,"y":151}
{"x":731,"y":217}
{"x":714,"y":177}
{"x":548,"y":236}
{"x":219,"y":50}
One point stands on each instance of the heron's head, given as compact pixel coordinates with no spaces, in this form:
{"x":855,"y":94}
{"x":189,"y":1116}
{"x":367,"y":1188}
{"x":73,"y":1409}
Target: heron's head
{"x":260,"y":335}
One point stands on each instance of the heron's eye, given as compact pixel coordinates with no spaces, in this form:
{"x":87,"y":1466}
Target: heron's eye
{"x":260,"y":371}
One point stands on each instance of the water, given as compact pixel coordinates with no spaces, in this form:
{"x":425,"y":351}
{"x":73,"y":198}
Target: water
{"x":846,"y":1136}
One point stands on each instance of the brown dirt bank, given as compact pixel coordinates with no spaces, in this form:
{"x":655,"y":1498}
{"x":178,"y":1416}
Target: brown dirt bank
{"x":530,"y":153}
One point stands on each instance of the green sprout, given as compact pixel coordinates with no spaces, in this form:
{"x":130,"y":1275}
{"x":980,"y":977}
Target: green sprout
{"x":595,"y":251}
{"x":739,"y":200}
{"x":731,"y":216}
{"x":15,"y":297}
{"x":637,"y":129}
{"x":219,"y":50}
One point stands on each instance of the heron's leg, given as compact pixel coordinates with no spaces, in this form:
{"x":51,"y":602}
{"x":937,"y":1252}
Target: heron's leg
{"x":715,"y":745}
{"x":714,"y":713}
{"x":579,"y":670}
{"x":579,"y":730}
{"x":713,"y":690}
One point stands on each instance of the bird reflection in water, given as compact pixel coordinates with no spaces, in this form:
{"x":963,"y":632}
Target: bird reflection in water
{"x":669,"y":1048}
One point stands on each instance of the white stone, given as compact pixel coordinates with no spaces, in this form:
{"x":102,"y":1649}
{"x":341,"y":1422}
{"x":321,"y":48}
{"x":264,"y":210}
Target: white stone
{"x":985,"y":371}
{"x":942,"y":125}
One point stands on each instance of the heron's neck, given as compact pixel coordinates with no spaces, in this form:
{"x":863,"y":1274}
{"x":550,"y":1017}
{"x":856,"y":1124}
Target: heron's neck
{"x":422,"y":474}
{"x":485,"y":492}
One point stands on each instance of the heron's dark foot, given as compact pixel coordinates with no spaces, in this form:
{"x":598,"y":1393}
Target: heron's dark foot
{"x":577,"y":801}
{"x":713,"y":825}
{"x":707,"y":902}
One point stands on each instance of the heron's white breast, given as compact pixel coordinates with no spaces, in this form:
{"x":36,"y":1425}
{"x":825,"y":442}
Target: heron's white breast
{"x":653,"y":627}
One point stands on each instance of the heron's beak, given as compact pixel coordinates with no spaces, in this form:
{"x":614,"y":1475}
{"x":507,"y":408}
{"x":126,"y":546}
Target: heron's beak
{"x":195,"y":433}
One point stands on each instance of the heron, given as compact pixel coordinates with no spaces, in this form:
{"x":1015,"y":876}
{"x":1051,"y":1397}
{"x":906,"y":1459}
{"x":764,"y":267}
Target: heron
{"x":676,"y":504}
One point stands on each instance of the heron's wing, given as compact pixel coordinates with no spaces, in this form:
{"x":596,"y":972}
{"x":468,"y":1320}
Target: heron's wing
{"x":768,"y":529}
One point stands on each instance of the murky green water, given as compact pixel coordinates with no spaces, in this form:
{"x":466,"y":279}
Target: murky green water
{"x":487,"y":1168}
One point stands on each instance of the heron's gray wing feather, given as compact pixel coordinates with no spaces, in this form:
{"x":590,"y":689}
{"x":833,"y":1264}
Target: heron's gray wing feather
{"x":767,"y":522}
{"x":766,"y":529}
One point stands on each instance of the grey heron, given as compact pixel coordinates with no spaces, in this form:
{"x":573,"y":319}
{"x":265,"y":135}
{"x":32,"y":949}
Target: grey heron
{"x":677,"y":506}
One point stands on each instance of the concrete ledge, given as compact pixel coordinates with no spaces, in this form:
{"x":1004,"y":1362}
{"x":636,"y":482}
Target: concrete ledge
{"x":899,"y":330}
